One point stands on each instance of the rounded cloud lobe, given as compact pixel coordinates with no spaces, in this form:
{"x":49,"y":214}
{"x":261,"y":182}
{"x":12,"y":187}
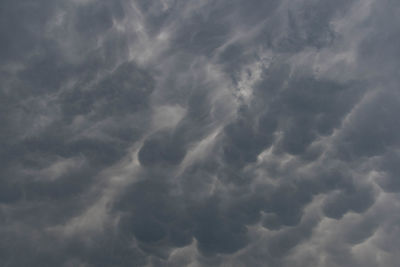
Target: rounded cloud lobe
{"x":199,"y":133}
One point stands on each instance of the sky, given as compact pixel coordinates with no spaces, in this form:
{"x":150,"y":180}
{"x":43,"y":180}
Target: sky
{"x":199,"y":133}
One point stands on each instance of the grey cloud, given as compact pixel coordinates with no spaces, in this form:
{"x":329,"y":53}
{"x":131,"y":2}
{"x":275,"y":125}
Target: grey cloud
{"x":339,"y":204}
{"x":374,"y":130}
{"x":389,"y":166}
{"x":170,"y":133}
{"x":161,"y":148}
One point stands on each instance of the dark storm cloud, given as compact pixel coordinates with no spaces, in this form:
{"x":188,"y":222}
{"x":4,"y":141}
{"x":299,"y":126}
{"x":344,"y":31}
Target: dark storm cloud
{"x":199,"y":133}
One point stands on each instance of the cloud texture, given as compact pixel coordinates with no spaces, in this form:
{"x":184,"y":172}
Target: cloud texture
{"x":199,"y":133}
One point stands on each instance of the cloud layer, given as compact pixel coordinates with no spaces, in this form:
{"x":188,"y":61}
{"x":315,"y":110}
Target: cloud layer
{"x":199,"y":133}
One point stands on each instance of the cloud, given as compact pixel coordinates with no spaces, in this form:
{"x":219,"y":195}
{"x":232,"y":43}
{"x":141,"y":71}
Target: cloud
{"x":199,"y":133}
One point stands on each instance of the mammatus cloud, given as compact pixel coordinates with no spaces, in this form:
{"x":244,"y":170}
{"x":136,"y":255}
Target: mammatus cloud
{"x":199,"y":133}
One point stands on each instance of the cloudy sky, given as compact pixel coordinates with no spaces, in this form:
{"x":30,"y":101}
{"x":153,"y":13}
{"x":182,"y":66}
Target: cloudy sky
{"x":199,"y":133}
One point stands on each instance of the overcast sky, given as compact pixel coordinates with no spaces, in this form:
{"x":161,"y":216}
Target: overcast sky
{"x":199,"y":133}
